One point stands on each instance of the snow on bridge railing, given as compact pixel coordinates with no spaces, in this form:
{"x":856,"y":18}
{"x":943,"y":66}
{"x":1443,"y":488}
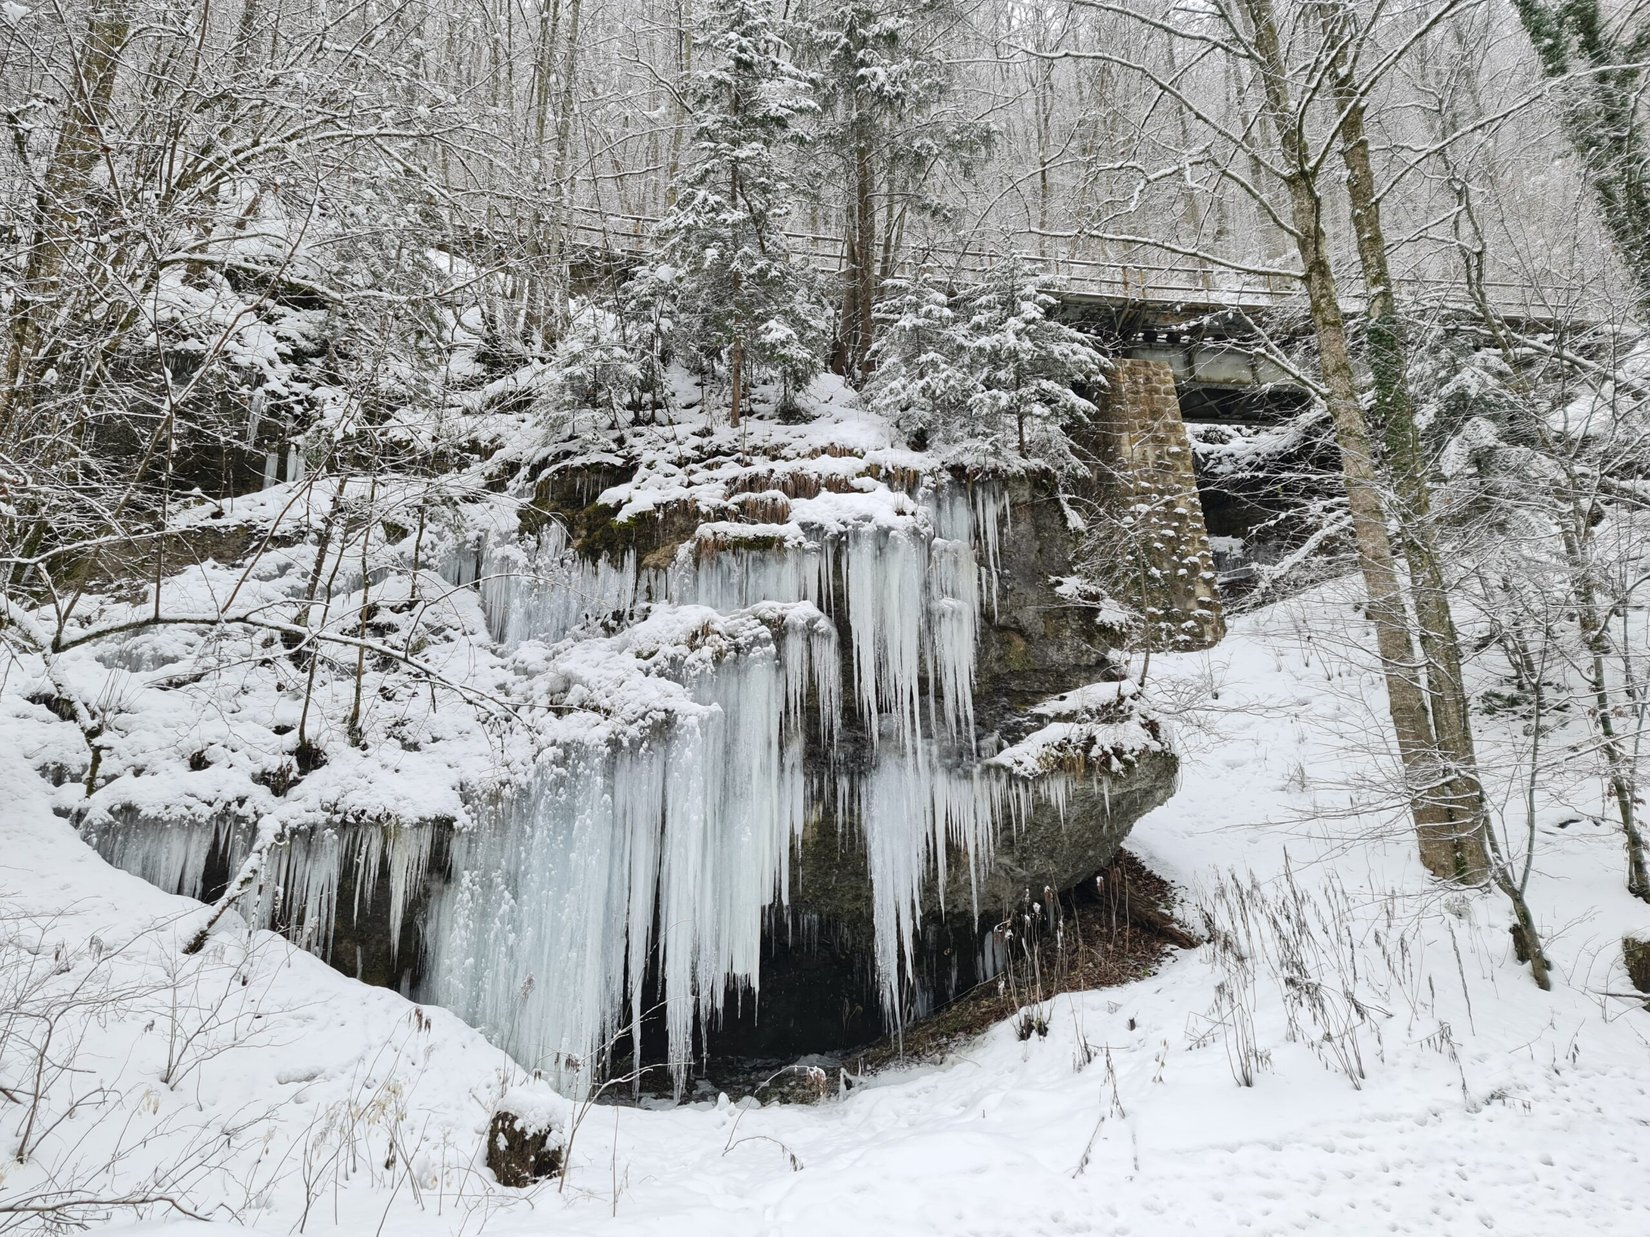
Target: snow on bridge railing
{"x":1082,"y":277}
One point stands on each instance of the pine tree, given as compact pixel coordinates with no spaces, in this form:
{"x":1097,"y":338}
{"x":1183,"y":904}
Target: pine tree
{"x":986,"y":373}
{"x":598,"y":368}
{"x":1030,"y":368}
{"x":920,"y":380}
{"x":733,"y":291}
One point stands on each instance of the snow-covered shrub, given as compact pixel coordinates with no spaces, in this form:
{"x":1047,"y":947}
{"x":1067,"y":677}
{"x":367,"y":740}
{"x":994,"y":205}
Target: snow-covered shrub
{"x":599,"y":368}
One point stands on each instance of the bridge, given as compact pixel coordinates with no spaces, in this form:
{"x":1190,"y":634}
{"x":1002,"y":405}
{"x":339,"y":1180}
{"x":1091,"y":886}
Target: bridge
{"x":1208,"y":323}
{"x":1159,"y":294}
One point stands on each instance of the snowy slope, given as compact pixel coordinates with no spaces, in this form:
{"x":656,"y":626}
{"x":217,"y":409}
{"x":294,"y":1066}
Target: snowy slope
{"x":1407,"y":1075}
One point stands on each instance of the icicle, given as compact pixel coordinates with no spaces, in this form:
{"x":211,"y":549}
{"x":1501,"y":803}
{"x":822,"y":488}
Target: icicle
{"x":910,"y":811}
{"x":954,"y":607}
{"x":894,"y":821}
{"x":299,"y":888}
{"x":403,"y":854}
{"x":656,"y":852}
{"x":544,"y":590}
{"x":886,"y":574}
{"x":460,"y":564}
{"x":811,"y":661}
{"x":529,"y":943}
{"x":689,"y":828}
{"x":729,"y":578}
{"x":991,"y":512}
{"x":301,"y":878}
{"x":170,"y":855}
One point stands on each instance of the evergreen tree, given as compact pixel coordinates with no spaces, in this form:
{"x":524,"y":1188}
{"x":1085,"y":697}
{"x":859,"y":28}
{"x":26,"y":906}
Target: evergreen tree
{"x":725,"y":274}
{"x":920,"y":381}
{"x":1029,"y":367}
{"x":986,"y":373}
{"x":882,"y":87}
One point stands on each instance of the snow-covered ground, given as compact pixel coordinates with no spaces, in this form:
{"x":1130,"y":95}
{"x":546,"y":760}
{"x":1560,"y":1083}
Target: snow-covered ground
{"x":1407,"y":1076}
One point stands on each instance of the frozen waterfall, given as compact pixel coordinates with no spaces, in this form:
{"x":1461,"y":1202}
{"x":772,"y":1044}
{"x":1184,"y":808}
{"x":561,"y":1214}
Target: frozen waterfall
{"x":695,"y":724}
{"x":650,"y":855}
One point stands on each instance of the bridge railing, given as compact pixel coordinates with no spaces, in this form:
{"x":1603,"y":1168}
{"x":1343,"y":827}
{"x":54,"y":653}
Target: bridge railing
{"x":1085,"y":275}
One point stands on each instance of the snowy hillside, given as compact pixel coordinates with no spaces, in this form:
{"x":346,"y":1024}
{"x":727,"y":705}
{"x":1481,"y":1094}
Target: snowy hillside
{"x":818,"y":617}
{"x":1356,"y":1052}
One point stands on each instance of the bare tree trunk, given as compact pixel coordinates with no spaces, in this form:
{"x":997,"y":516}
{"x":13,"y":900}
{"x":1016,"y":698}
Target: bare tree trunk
{"x":684,"y":69}
{"x":1425,"y":774}
{"x":559,"y":178}
{"x":539,"y":292}
{"x":736,"y":353}
{"x":1462,"y":795}
{"x":857,"y":324}
{"x":736,"y":367}
{"x":56,"y":229}
{"x":250,"y":876}
{"x":1465,"y":842}
{"x":1592,"y":620}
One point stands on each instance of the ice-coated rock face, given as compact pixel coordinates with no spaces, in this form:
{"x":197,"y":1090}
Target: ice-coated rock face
{"x":859,"y":785}
{"x":798,"y":709}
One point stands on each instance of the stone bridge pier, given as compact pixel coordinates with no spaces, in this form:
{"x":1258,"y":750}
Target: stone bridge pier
{"x":1162,"y":565}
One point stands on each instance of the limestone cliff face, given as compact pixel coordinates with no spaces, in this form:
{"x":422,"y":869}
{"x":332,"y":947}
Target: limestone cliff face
{"x":1036,"y":643}
{"x":801,"y":711}
{"x":1066,"y":784}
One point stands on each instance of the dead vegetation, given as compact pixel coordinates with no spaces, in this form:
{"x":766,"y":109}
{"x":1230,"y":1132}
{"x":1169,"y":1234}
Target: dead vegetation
{"x":1111,"y":931}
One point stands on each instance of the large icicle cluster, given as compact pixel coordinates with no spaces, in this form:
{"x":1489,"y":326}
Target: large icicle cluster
{"x":646,"y":848}
{"x":544,"y":591}
{"x":684,"y":818}
{"x":304,"y":875}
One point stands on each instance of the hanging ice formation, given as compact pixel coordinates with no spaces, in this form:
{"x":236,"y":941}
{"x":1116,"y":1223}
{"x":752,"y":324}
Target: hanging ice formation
{"x":702,"y":709}
{"x":651,"y":846}
{"x":303,"y":878}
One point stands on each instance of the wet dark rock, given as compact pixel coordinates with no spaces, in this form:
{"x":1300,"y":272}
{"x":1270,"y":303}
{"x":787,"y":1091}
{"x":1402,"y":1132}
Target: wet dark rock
{"x":523,"y":1146}
{"x":1635,"y":952}
{"x":1034,"y":644}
